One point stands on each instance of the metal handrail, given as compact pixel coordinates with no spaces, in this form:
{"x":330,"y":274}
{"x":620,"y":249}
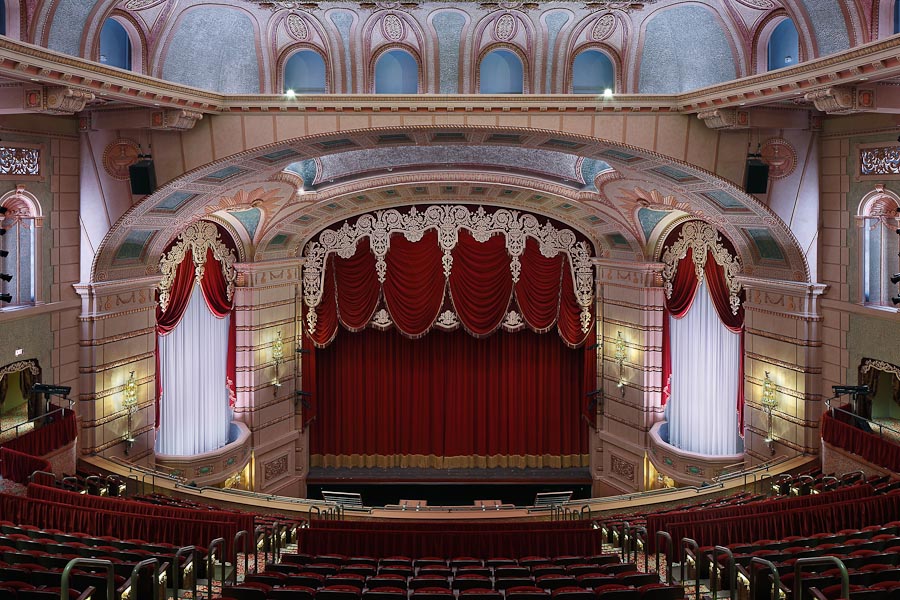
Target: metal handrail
{"x":714,"y":570}
{"x":33,"y":420}
{"x":135,"y":573}
{"x":754,"y":576}
{"x":881,"y":427}
{"x":669,"y":546}
{"x":241,"y":535}
{"x":176,"y":570}
{"x":90,"y":562}
{"x":639,"y":537}
{"x":819,"y":560}
{"x":260,"y":531}
{"x":695,"y":547}
{"x":210,"y":564}
{"x":31,"y":477}
{"x":623,"y":539}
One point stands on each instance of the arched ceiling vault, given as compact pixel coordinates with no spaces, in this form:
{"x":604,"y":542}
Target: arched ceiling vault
{"x":621,"y":197}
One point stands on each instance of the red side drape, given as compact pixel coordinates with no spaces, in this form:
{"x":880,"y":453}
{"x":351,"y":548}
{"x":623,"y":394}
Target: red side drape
{"x":357,"y":287}
{"x":326,"y":312}
{"x":414,"y":284}
{"x":538,"y":288}
{"x":480,"y":282}
{"x":381,"y":394}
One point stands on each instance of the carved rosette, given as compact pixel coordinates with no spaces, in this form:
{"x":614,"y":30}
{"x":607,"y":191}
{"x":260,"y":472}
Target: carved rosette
{"x":447,"y":220}
{"x":702,"y":239}
{"x":505,"y":28}
{"x":603,"y":27}
{"x":393,"y":28}
{"x":198,"y":238}
{"x":297,"y":27}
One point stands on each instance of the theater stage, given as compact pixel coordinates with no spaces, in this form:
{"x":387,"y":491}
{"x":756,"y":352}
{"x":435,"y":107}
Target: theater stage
{"x":448,"y":487}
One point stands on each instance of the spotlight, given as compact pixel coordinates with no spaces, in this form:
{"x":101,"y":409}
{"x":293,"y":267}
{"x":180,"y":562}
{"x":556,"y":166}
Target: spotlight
{"x":4,"y":253}
{"x":6,"y":277}
{"x":608,"y":93}
{"x":895,"y":300}
{"x":895,"y":278}
{"x":5,"y":298}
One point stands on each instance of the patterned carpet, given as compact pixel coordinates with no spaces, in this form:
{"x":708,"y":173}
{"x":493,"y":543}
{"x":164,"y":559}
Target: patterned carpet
{"x":11,"y":419}
{"x":892,"y":424}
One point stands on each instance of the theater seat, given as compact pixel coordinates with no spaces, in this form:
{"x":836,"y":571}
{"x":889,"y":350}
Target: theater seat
{"x":339,"y":592}
{"x":616,"y":592}
{"x":661,"y":591}
{"x":571,"y":593}
{"x":385,"y":593}
{"x":247,"y":591}
{"x":468,"y":582}
{"x":292,"y":592}
{"x":431,"y":593}
{"x":480,"y":594}
{"x":526,"y":592}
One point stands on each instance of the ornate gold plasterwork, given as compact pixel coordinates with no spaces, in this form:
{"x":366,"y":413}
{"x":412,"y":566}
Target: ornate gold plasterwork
{"x":879,"y":365}
{"x":701,"y":239}
{"x":21,"y":365}
{"x":448,"y":220}
{"x":198,"y":238}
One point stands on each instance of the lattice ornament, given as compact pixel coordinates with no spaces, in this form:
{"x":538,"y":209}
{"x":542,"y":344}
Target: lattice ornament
{"x":198,"y":238}
{"x":447,"y":220}
{"x":701,"y":239}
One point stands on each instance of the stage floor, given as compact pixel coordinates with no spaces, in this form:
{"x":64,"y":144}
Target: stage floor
{"x":448,"y":487}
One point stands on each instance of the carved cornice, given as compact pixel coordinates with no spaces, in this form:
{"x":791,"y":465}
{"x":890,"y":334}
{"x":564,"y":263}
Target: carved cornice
{"x":725,"y":118}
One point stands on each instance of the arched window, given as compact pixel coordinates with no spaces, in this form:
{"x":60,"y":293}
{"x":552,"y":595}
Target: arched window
{"x":593,"y":73}
{"x":879,"y":245}
{"x":396,"y":72}
{"x":501,"y":72}
{"x":115,"y":46}
{"x":304,"y":73}
{"x":20,"y":245}
{"x":783,"y":49}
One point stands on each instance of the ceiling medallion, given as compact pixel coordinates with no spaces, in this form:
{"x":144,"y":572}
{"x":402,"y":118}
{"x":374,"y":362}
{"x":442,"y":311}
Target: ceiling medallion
{"x":141,"y":4}
{"x":780,"y":156}
{"x":118,"y":156}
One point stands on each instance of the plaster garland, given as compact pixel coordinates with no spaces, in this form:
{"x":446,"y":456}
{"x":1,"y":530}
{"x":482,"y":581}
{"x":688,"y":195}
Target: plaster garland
{"x":880,"y":365}
{"x":516,"y":227}
{"x":701,"y":238}
{"x":198,"y":238}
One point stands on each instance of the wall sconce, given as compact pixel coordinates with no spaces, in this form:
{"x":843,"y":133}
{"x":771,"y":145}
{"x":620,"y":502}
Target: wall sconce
{"x":769,"y":402}
{"x":129,"y":402}
{"x":620,"y":359}
{"x":278,"y":356}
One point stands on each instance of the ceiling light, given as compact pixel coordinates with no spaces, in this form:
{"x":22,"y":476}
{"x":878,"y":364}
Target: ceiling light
{"x":895,"y":278}
{"x":6,"y":277}
{"x":290,"y":93}
{"x":607,"y":93}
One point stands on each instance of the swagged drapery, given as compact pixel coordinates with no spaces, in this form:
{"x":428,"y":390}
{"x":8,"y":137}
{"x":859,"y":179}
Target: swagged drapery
{"x":703,"y":344}
{"x":195,"y":343}
{"x":485,"y":388}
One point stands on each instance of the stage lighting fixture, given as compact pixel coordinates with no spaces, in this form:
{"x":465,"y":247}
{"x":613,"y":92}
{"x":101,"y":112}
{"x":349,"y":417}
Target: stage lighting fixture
{"x":895,"y":300}
{"x":5,"y":298}
{"x":895,"y":278}
{"x":6,"y":277}
{"x":4,"y":253}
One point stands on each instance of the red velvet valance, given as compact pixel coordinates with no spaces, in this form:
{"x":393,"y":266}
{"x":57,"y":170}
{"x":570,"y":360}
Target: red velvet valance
{"x":684,"y":288}
{"x":60,"y":431}
{"x":480,"y":289}
{"x":869,"y":446}
{"x":18,"y":466}
{"x":214,"y":287}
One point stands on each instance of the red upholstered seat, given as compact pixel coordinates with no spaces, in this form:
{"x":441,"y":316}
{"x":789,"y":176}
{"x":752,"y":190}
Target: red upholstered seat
{"x":387,"y":580}
{"x":342,"y":578}
{"x":468,"y":581}
{"x":426,"y":581}
{"x":616,"y":592}
{"x":339,"y":592}
{"x":481,"y":594}
{"x":247,"y":591}
{"x":430,"y":593}
{"x":661,"y":591}
{"x":292,"y":592}
{"x":385,"y":593}
{"x":572,"y":593}
{"x":526,"y":592}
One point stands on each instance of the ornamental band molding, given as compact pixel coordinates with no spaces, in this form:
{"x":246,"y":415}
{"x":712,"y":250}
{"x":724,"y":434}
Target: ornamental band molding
{"x":198,"y":238}
{"x":701,"y":238}
{"x":448,"y":220}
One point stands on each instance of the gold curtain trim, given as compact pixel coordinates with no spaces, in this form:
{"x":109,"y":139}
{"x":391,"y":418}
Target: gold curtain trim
{"x":432,"y":461}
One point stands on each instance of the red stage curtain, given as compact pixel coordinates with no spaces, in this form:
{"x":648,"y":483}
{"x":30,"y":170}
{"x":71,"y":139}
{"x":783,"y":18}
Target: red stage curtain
{"x":414,"y":284}
{"x":480,"y":282}
{"x":684,"y":288}
{"x":538,"y":288}
{"x":326,"y":312}
{"x":357,"y":287}
{"x":451,"y":397}
{"x":214,"y":288}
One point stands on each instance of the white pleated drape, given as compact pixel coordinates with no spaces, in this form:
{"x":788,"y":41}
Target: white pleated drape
{"x":705,"y":358}
{"x":194,"y":412}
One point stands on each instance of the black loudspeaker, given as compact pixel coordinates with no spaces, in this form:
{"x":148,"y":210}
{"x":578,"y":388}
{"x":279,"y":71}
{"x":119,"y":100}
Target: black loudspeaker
{"x":143,"y":177}
{"x":757,"y":181}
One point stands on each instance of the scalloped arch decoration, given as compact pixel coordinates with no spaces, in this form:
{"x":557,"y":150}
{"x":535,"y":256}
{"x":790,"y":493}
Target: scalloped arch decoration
{"x":447,"y":220}
{"x":198,"y":238}
{"x":702,"y":240}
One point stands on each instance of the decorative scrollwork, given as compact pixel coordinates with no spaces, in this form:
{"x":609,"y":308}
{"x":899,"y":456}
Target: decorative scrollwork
{"x":447,"y":320}
{"x":297,"y":27}
{"x":879,"y":365}
{"x":701,"y":238}
{"x":382,"y":319}
{"x":198,"y":238}
{"x":513,"y":321}
{"x":21,"y":365}
{"x":447,"y":220}
{"x":20,"y":161}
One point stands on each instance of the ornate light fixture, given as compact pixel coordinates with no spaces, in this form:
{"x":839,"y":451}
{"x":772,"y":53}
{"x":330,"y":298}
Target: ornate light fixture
{"x":277,"y":356}
{"x":769,"y":402}
{"x":620,"y":359}
{"x":129,"y":402}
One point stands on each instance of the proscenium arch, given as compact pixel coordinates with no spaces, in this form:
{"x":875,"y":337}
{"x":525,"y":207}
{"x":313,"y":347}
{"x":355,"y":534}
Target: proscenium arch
{"x":694,"y":185}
